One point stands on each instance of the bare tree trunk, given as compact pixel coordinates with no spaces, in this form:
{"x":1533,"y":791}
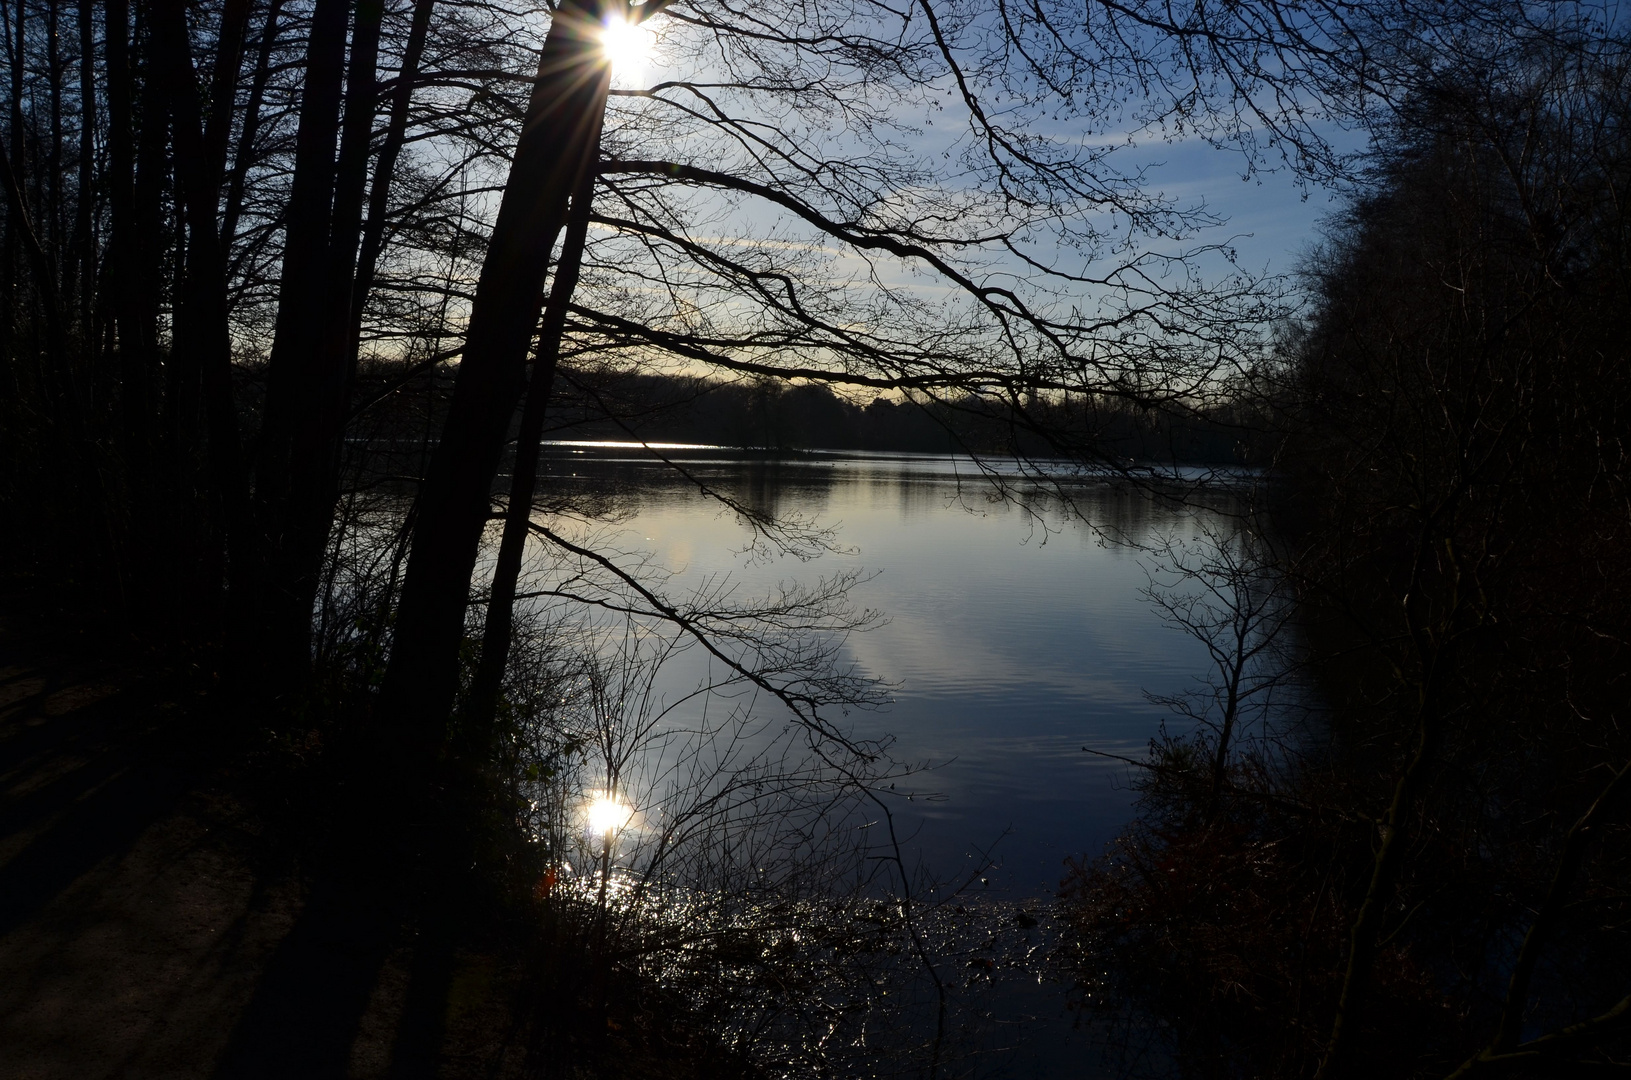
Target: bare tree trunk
{"x":271,"y":622}
{"x":202,"y":338}
{"x":561,"y":128}
{"x":27,"y":227}
{"x":229,"y":51}
{"x":318,"y":437}
{"x":373,"y":233}
{"x":496,"y":636}
{"x":133,"y":190}
{"x":244,"y":154}
{"x":85,"y":201}
{"x":51,"y":181}
{"x":14,"y":148}
{"x":44,"y":273}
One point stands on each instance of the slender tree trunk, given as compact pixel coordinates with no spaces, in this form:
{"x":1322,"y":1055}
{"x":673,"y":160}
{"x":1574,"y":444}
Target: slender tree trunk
{"x":305,"y":251}
{"x":152,"y":172}
{"x":202,"y":339}
{"x":561,"y":128}
{"x":144,"y":266}
{"x":373,"y":233}
{"x":14,"y":148}
{"x":1366,"y":928}
{"x":19,"y":225}
{"x":53,"y":232}
{"x":10,"y":384}
{"x":51,"y":196}
{"x":224,"y":88}
{"x":271,"y":624}
{"x":41,"y":269}
{"x":244,"y":155}
{"x":131,"y":258}
{"x":180,"y":381}
{"x":85,"y":201}
{"x":496,"y":636}
{"x":318,"y":437}
{"x":29,"y":229}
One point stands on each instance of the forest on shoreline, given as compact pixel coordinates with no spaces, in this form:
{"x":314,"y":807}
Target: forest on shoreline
{"x":621,"y":406}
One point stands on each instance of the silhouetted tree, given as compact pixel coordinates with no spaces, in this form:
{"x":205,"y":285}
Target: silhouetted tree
{"x":1452,"y":502}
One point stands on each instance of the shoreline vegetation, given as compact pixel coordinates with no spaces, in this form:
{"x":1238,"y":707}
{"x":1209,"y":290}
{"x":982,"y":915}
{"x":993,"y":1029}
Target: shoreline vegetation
{"x":179,"y":893}
{"x":768,"y":419}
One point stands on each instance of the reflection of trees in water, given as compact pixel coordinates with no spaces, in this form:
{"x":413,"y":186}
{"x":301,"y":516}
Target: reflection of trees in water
{"x":772,"y":487}
{"x":757,"y":883}
{"x":756,"y":877}
{"x":1051,"y":496}
{"x":662,"y":477}
{"x":805,"y":493}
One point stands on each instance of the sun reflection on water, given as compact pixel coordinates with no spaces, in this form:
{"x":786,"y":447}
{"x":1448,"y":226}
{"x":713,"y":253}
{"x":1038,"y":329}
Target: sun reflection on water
{"x":606,"y":814}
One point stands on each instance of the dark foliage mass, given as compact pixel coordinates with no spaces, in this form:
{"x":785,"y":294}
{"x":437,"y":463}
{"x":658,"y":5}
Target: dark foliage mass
{"x":1420,"y":866}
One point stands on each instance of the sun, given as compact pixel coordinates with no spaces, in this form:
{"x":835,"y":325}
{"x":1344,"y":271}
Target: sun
{"x":607,"y":814}
{"x":627,"y":46}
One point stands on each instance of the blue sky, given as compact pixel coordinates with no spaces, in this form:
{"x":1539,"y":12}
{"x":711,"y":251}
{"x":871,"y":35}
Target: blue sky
{"x":911,"y":162}
{"x":1270,"y":219}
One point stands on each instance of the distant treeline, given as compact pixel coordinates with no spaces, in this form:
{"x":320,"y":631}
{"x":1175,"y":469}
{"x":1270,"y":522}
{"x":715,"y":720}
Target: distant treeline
{"x":773,"y":415}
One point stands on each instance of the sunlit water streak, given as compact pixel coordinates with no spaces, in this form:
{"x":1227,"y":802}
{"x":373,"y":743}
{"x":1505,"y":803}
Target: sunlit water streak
{"x":839,"y":987}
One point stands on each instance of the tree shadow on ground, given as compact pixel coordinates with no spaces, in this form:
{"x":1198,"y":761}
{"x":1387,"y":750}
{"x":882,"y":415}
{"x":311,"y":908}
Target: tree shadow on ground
{"x":149,"y":925}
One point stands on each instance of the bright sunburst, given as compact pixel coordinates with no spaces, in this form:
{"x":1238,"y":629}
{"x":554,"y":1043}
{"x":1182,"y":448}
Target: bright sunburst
{"x":607,"y":814}
{"x":627,"y":45}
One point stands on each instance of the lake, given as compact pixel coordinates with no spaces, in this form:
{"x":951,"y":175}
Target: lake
{"x":1015,"y":634}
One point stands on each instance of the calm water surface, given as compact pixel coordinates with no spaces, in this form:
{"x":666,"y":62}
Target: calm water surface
{"x":1015,"y":635}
